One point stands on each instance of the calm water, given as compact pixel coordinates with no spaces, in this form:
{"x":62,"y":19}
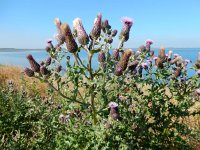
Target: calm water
{"x":18,"y":57}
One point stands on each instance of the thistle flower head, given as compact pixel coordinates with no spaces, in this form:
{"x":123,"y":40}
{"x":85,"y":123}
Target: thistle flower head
{"x":101,"y":57}
{"x":60,"y":38}
{"x":149,"y":42}
{"x":198,"y":91}
{"x":57,"y":23}
{"x":48,"y":61}
{"x":71,"y":44}
{"x":58,"y":68}
{"x":127,"y":24}
{"x":118,"y":71}
{"x":44,"y":70}
{"x":112,"y":105}
{"x":132,"y":65}
{"x":96,"y":30}
{"x":198,"y":72}
{"x":28,"y":72}
{"x":110,"y":40}
{"x":83,"y":38}
{"x":115,"y":54}
{"x":114,"y":33}
{"x":144,"y":65}
{"x":49,"y":40}
{"x":142,"y":48}
{"x":34,"y":65}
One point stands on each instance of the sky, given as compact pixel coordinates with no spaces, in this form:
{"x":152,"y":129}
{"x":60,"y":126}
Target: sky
{"x":169,"y":23}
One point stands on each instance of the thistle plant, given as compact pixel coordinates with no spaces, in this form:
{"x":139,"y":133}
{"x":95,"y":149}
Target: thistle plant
{"x":140,"y":96}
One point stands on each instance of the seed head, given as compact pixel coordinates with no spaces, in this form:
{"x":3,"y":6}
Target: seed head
{"x":34,"y":65}
{"x":96,"y":30}
{"x":69,"y":39}
{"x":127,"y":24}
{"x":83,"y":38}
{"x":28,"y":72}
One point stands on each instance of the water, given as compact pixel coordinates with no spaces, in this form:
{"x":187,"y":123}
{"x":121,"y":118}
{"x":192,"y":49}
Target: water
{"x":18,"y":57}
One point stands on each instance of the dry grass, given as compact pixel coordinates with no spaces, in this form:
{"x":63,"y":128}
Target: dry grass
{"x":15,"y":74}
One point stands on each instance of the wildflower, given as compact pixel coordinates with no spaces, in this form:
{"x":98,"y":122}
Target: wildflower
{"x":169,"y":57}
{"x":83,"y":38}
{"x":101,"y":56}
{"x":118,"y":71}
{"x":34,"y":65}
{"x":114,"y":33}
{"x":69,"y":39}
{"x":132,"y":65}
{"x":57,"y":23}
{"x":115,"y":54}
{"x":44,"y":70}
{"x":48,"y":61}
{"x":144,"y":65}
{"x":60,"y":38}
{"x":127,"y":24}
{"x":96,"y":30}
{"x":148,"y":44}
{"x":198,"y":91}
{"x":149,"y":61}
{"x":161,"y":54}
{"x":58,"y":68}
{"x":142,"y":48}
{"x":28,"y":72}
{"x":104,"y":25}
{"x":110,"y":40}
{"x":197,"y":64}
{"x":114,"y":112}
{"x":198,"y":72}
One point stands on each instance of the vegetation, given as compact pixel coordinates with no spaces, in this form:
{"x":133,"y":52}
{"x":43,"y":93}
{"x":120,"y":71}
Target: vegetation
{"x":133,"y":100}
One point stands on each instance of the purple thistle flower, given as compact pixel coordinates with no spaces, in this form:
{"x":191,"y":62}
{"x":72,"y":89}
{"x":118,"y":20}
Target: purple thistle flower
{"x":118,"y":71}
{"x":114,"y":33}
{"x":83,"y":38}
{"x":34,"y":65}
{"x":144,"y":65}
{"x":148,"y":44}
{"x":44,"y":70}
{"x":115,"y":54}
{"x":113,"y":105}
{"x":127,"y":24}
{"x":198,"y":72}
{"x":198,"y":91}
{"x":28,"y":72}
{"x":96,"y":30}
{"x":101,"y":57}
{"x":49,"y":41}
{"x":110,"y":40}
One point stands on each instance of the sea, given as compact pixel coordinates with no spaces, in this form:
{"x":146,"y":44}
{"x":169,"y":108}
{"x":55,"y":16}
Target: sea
{"x":17,"y":57}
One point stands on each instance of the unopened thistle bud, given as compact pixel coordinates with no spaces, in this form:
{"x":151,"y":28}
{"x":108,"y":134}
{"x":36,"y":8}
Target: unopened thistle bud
{"x":110,"y":40}
{"x":42,"y":63}
{"x":44,"y":70}
{"x":101,"y":57}
{"x":60,"y":38}
{"x":34,"y":65}
{"x":198,"y":73}
{"x":48,"y":49}
{"x":28,"y":72}
{"x":197,"y":64}
{"x":148,"y":44}
{"x":127,"y":24}
{"x":115,"y":54}
{"x":114,"y":33}
{"x":177,"y":73}
{"x":118,"y":71}
{"x":48,"y":61}
{"x":142,"y":48}
{"x":57,"y":23}
{"x":83,"y":38}
{"x":58,"y":68}
{"x":114,"y":111}
{"x":69,"y":39}
{"x":198,"y":91}
{"x":161,"y":54}
{"x":49,"y":43}
{"x":159,"y":63}
{"x":96,"y":30}
{"x":104,"y":25}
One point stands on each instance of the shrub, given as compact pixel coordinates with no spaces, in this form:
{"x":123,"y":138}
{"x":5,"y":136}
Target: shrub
{"x":132,"y":100}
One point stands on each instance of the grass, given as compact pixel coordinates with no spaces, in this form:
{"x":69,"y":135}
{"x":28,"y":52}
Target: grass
{"x":15,"y":74}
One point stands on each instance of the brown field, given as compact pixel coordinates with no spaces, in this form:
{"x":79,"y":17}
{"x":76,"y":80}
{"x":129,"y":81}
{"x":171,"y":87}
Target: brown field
{"x":15,"y":74}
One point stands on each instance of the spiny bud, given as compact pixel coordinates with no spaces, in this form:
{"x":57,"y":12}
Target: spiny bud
{"x":198,"y":73}
{"x":104,"y":25}
{"x":148,"y":44}
{"x":58,"y":68}
{"x":101,"y":57}
{"x":48,"y":61}
{"x":96,"y":30}
{"x":115,"y":54}
{"x":83,"y":38}
{"x":118,"y":71}
{"x":127,"y":24}
{"x":44,"y":70}
{"x":132,"y":65}
{"x":28,"y":72}
{"x":48,"y":49}
{"x":69,"y":39}
{"x":197,"y":64}
{"x":114,"y":33}
{"x":159,"y":63}
{"x":34,"y":65}
{"x":114,"y":111}
{"x":110,"y":40}
{"x":161,"y":54}
{"x":177,"y":73}
{"x":142,"y":48}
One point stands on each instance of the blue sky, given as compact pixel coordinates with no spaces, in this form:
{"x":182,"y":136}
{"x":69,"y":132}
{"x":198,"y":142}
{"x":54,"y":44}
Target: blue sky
{"x":170,"y":23}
